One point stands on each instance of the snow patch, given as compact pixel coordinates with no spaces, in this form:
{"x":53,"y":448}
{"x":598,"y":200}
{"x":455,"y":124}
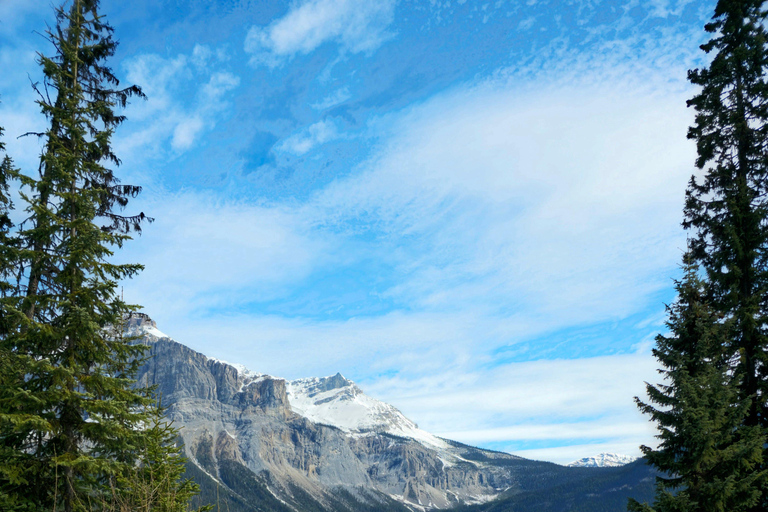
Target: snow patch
{"x":604,"y":460}
{"x":339,"y":402}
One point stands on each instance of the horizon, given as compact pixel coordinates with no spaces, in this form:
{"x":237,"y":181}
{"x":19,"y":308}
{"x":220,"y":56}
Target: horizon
{"x":471,"y":209}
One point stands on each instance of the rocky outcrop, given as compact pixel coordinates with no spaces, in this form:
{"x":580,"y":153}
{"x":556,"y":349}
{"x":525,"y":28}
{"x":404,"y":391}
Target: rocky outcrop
{"x":242,"y":433}
{"x":228,"y":414}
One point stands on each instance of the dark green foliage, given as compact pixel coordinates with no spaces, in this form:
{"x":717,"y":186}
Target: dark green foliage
{"x":709,"y":456}
{"x":75,"y":432}
{"x":251,"y":489}
{"x":157,"y":483}
{"x":345,"y":501}
{"x":711,"y":411}
{"x":727,"y":209}
{"x":204,"y":455}
{"x":8,"y":243}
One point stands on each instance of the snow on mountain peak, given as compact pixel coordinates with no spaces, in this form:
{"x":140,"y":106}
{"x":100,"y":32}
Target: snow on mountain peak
{"x":604,"y":460}
{"x":333,"y":400}
{"x":339,"y":402}
{"x":141,"y":325}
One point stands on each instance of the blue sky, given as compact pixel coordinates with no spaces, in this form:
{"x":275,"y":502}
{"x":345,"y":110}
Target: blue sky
{"x":471,"y":208}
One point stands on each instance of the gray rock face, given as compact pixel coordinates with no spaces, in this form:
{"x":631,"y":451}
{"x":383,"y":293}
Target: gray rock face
{"x":230,"y":415}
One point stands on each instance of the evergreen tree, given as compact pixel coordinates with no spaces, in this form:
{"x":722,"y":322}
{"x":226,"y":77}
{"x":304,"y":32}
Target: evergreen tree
{"x":714,"y":421}
{"x":8,"y":242}
{"x":157,"y":483}
{"x":11,"y":370}
{"x":727,"y":210}
{"x":709,"y":462}
{"x":72,"y":422}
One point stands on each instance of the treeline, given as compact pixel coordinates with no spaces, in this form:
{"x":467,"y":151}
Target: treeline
{"x":76,"y":433}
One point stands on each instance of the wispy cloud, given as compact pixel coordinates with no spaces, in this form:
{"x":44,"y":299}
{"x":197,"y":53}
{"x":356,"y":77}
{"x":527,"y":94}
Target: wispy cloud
{"x":499,"y":217}
{"x":505,"y":212}
{"x":337,"y":97}
{"x":542,"y":399}
{"x":354,"y":26}
{"x":173,"y":114}
{"x":186,"y":132}
{"x":665,"y":8}
{"x":562,"y":203}
{"x":307,"y":139}
{"x":207,"y":254}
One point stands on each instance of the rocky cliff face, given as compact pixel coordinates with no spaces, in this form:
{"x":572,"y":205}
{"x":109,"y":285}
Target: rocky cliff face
{"x":313,"y":444}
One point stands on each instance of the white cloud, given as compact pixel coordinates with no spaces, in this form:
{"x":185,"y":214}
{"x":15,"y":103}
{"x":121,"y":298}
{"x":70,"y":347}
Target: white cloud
{"x":220,"y":84}
{"x":185,"y":133}
{"x":518,"y":395}
{"x":562,"y":203}
{"x":666,"y":8}
{"x":202,"y":254}
{"x":412,"y":343}
{"x":158,"y":77}
{"x":355,"y":26}
{"x":315,"y":135}
{"x":508,"y":211}
{"x":337,"y":97}
{"x":170,"y":115}
{"x":18,"y":115}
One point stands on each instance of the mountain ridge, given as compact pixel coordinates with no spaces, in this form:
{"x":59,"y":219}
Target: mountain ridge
{"x":603,"y":460}
{"x":246,"y":440}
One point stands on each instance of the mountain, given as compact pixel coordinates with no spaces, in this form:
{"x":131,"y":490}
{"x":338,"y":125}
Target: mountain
{"x":604,"y":460}
{"x":255,"y":442}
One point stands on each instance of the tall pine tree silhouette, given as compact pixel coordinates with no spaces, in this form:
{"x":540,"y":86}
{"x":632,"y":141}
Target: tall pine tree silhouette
{"x":72,"y":422}
{"x":716,"y":417}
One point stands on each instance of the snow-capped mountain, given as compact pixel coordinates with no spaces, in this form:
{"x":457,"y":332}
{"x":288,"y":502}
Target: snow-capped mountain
{"x":139,"y":325}
{"x":604,"y":460}
{"x":338,"y":401}
{"x":256,"y":442}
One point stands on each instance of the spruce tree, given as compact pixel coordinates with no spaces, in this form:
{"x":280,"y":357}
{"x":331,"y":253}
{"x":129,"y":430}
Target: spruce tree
{"x":8,"y":243}
{"x":157,"y":483}
{"x":728,"y":208}
{"x":72,"y":421}
{"x":11,"y":370}
{"x":709,"y":461}
{"x":726,"y":212}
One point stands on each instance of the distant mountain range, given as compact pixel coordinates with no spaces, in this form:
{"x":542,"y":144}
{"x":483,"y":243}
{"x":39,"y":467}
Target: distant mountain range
{"x":260,"y":443}
{"x":604,"y":460}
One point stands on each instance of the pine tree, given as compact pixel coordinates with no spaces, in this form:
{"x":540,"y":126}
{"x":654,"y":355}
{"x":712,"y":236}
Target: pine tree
{"x":157,"y":483}
{"x":72,"y":421}
{"x":727,"y":209}
{"x":714,"y":421}
{"x":710,"y":465}
{"x":11,"y":369}
{"x":8,"y":243}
